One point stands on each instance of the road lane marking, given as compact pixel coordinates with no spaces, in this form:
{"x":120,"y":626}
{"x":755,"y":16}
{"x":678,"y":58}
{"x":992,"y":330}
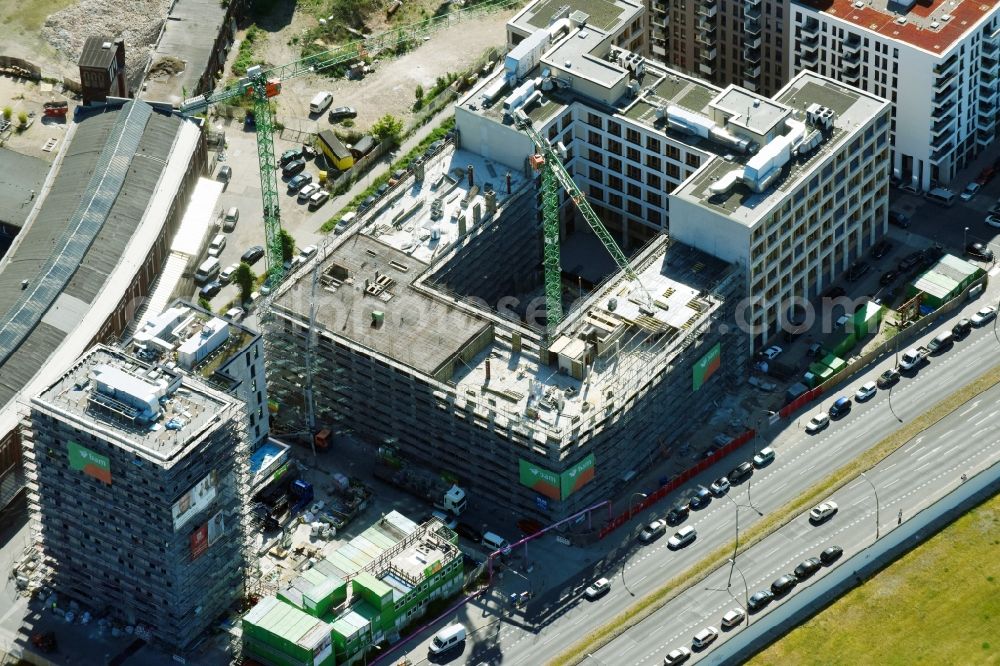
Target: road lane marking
{"x":929,"y":453}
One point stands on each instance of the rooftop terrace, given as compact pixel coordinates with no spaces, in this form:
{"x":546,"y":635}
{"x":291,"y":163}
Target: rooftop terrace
{"x":607,"y":15}
{"x":931,"y":25}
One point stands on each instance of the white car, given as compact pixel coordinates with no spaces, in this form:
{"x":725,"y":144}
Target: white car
{"x":307,"y":192}
{"x":733,"y":618}
{"x":865,"y":391}
{"x":984,"y":316}
{"x":772,"y":352}
{"x":236,"y":314}
{"x":228,"y":273}
{"x":720,"y":486}
{"x":818,"y":422}
{"x":823,"y":511}
{"x":307,"y":251}
{"x":705,"y":637}
{"x":683,"y":537}
{"x":652,"y":531}
{"x":970,"y":191}
{"x":598,"y":588}
{"x":763,"y":457}
{"x":842,"y":320}
{"x":678,"y":656}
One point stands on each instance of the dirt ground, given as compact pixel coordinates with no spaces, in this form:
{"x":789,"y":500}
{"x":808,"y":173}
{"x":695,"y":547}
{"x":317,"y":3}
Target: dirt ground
{"x":391,"y":88}
{"x":21,"y":95}
{"x":20,"y":25}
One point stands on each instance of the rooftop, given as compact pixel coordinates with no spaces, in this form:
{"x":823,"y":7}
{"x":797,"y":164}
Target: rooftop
{"x":290,"y":623}
{"x":931,"y":25}
{"x":21,"y":178}
{"x":851,"y":108}
{"x":182,"y":54}
{"x":142,"y":409}
{"x":98,"y":52}
{"x":607,"y":15}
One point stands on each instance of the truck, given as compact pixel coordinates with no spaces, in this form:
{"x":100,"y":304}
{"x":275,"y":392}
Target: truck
{"x":912,"y":359}
{"x":443,"y":493}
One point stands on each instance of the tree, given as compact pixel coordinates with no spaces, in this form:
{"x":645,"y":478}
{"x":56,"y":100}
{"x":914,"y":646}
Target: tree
{"x":388,"y":128}
{"x":419,"y":92}
{"x":22,"y":119}
{"x":7,"y":112}
{"x":287,"y":246}
{"x":244,"y":279}
{"x":205,"y":304}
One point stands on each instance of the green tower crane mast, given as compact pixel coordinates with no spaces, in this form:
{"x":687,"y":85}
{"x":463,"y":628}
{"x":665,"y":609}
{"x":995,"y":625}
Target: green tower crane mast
{"x":266,"y":83}
{"x":553,"y":173}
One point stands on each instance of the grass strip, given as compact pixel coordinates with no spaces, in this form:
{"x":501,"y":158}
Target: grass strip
{"x":652,"y":602}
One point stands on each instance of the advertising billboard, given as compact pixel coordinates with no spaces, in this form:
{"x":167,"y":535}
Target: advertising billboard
{"x":206,"y":535}
{"x":706,"y":366}
{"x":194,"y":500}
{"x":539,"y":479}
{"x":556,"y":486}
{"x":90,"y":463}
{"x":577,"y":476}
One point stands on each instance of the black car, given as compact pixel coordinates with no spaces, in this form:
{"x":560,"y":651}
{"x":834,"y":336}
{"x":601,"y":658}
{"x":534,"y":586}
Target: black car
{"x":759,"y":600}
{"x":740,"y":473}
{"x":834,"y":292}
{"x":888,"y":278}
{"x":807,"y":568}
{"x":702,"y":496}
{"x":291,"y":155}
{"x":252,"y":255}
{"x":784,"y":585}
{"x":293,"y":167}
{"x":898,"y":219}
{"x":366,"y":204}
{"x":342,"y":113}
{"x":678,"y":514}
{"x":880,"y":249}
{"x":226,"y":174}
{"x":887,"y":378}
{"x":831,"y":555}
{"x":909,"y":261}
{"x":979,"y":251}
{"x":382,"y":189}
{"x":210,"y":289}
{"x":962,"y":328}
{"x":469,"y":532}
{"x":857,"y":271}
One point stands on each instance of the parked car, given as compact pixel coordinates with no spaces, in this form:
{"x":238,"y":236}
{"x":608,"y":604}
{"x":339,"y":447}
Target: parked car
{"x":823,"y":512}
{"x":881,"y":248}
{"x":909,"y":261}
{"x":888,"y":278}
{"x":979,"y":251}
{"x":342,"y":113}
{"x":382,"y":189}
{"x":209,"y":290}
{"x":764,"y":457}
{"x":225,"y":174}
{"x":366,"y":204}
{"x":740,"y":473}
{"x":970,"y":191}
{"x":993,"y":219}
{"x":682,"y":537}
{"x":705,"y":637}
{"x":984,"y":316}
{"x":307,"y":191}
{"x":834,"y":292}
{"x":294,"y":167}
{"x":995,"y":208}
{"x":857,"y":271}
{"x":986,"y":175}
{"x":597,"y":589}
{"x":807,"y":568}
{"x":733,"y":618}
{"x":784,"y":585}
{"x":815,"y":349}
{"x":678,"y":514}
{"x":702,"y":496}
{"x":772,"y":352}
{"x":236,"y":314}
{"x":230,"y":219}
{"x":831,"y":555}
{"x":759,"y":600}
{"x":962,"y":328}
{"x":469,"y":532}
{"x":720,"y":486}
{"x":865,"y":391}
{"x":318,"y":198}
{"x":840,"y":407}
{"x":291,"y":155}
{"x":677,"y":656}
{"x":818,"y":422}
{"x":228,"y":273}
{"x":887,"y":378}
{"x":653,"y":531}
{"x":299,"y":181}
{"x":252,"y":255}
{"x":897,"y":219}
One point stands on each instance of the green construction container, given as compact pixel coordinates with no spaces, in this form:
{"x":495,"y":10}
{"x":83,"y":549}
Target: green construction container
{"x":279,"y":633}
{"x":844,"y":347}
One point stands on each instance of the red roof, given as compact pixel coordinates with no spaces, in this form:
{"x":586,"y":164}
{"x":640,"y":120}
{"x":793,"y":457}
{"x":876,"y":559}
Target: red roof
{"x":916,"y":30}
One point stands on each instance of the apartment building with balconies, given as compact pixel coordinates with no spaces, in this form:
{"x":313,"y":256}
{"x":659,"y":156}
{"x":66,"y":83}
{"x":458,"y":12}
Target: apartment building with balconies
{"x":936,"y":63}
{"x":740,"y":42}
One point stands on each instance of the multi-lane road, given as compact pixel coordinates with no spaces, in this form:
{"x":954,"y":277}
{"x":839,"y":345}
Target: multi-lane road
{"x":560,"y":616}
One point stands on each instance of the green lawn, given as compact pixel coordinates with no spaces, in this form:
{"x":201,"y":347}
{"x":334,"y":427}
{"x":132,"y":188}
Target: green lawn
{"x":29,"y":15}
{"x":939,"y":604}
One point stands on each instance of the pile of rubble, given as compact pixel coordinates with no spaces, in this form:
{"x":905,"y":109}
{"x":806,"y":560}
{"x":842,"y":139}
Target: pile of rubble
{"x":138,"y":22}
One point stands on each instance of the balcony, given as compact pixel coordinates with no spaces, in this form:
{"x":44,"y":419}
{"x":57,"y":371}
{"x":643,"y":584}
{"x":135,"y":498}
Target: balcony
{"x":941,"y":153}
{"x":707,"y":54}
{"x":708,"y":11}
{"x":948,"y":67}
{"x":751,"y":71}
{"x":990,"y":47}
{"x":751,"y":55}
{"x":750,"y":85}
{"x":988,"y":95}
{"x":706,"y":69}
{"x":985,"y":137}
{"x":705,"y":40}
{"x":851,"y":46}
{"x":986,"y":121}
{"x":706,"y":27}
{"x":751,"y":26}
{"x":852,"y":59}
{"x":943,"y":111}
{"x":943,"y":125}
{"x":809,"y":58}
{"x":810,"y":27}
{"x":751,"y":12}
{"x":752,"y":42}
{"x":947,"y":93}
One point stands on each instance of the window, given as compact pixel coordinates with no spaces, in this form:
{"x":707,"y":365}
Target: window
{"x":653,"y":144}
{"x":693,"y":160}
{"x":632,"y":136}
{"x":615,"y":183}
{"x":594,"y":120}
{"x":653,"y":181}
{"x":615,"y":164}
{"x":633,"y":155}
{"x":673,"y":171}
{"x":596,"y":193}
{"x":595,"y":156}
{"x":654,"y":199}
{"x":633,"y":172}
{"x":634,"y":208}
{"x":596,"y":175}
{"x":673,"y":152}
{"x":614,"y":147}
{"x":653,"y":162}
{"x":614,"y":128}
{"x":634,"y":191}
{"x":594,"y":139}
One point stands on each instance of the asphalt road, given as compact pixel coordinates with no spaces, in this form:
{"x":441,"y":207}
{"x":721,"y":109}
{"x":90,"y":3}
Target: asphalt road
{"x":549,"y":623}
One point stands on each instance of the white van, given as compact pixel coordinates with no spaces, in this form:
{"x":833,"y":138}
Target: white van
{"x":320,"y":102}
{"x":941,"y":195}
{"x":449,"y":637}
{"x":217,"y":245}
{"x":345,"y":222}
{"x":494,"y":542}
{"x":208,"y":270}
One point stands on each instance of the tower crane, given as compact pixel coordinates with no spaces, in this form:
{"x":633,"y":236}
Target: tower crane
{"x":263,"y":84}
{"x":548,"y":162}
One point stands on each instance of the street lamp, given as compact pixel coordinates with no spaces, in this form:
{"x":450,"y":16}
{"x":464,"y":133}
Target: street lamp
{"x":629,"y":544}
{"x":746,"y":590}
{"x":965,"y":238}
{"x":737,"y":544}
{"x":890,"y":406}
{"x":876,"y":503}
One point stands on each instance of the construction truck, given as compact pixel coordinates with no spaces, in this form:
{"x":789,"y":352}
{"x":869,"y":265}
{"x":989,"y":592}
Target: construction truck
{"x":444,"y":494}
